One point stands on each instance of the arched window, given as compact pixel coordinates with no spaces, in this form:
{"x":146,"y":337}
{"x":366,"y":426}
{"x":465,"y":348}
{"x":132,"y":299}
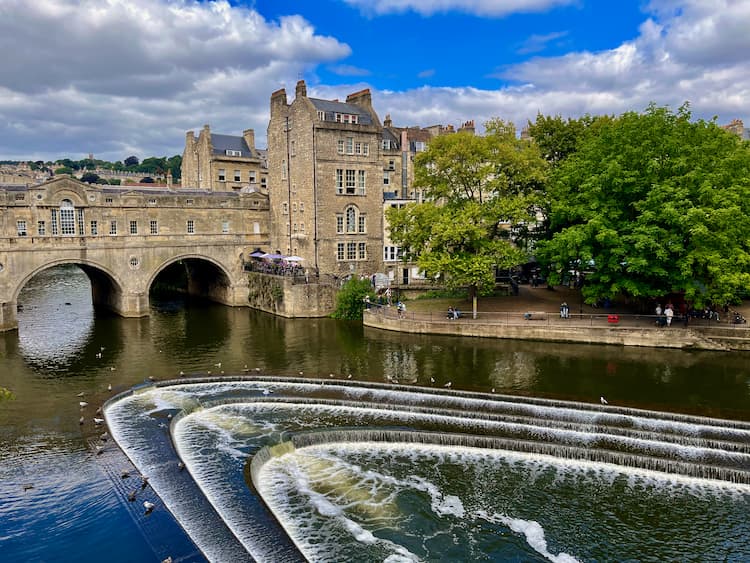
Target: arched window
{"x":67,"y":217}
{"x":351,"y":220}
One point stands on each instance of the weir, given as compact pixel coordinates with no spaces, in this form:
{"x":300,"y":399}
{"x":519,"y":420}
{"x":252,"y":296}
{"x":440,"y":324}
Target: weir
{"x":221,"y":424}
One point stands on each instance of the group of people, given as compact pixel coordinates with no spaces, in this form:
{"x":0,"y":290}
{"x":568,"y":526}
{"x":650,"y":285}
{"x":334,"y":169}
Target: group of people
{"x":453,"y":314}
{"x":664,"y":316}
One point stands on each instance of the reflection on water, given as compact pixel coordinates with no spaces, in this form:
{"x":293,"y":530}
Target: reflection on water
{"x":54,"y":357}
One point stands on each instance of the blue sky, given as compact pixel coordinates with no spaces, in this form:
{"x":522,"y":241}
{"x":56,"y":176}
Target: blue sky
{"x":122,"y":77}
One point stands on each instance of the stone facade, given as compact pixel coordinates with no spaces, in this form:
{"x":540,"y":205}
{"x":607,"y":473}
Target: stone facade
{"x":123,"y":237}
{"x":325,"y":176}
{"x":223,"y":163}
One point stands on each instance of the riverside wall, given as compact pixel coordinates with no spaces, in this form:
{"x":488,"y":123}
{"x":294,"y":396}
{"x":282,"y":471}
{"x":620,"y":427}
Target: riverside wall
{"x":708,"y":338}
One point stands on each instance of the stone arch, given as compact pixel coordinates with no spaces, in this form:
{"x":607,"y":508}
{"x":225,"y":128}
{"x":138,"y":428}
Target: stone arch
{"x":206,"y":277}
{"x":107,"y":289}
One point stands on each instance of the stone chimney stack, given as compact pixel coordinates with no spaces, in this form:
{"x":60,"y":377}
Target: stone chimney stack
{"x":468,"y":126}
{"x":387,"y":122}
{"x":169,"y":179}
{"x":363,"y":98}
{"x":278,"y":98}
{"x":301,"y":90}
{"x":249,"y":136}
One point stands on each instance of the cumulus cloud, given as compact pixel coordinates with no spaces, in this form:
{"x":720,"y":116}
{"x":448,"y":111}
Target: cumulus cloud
{"x":428,"y":73}
{"x":120,"y":77}
{"x":96,"y":75}
{"x":490,"y":8}
{"x":660,"y":65}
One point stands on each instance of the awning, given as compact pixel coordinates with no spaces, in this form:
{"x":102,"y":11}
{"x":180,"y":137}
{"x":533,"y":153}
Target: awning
{"x":256,"y":253}
{"x":293,"y":258}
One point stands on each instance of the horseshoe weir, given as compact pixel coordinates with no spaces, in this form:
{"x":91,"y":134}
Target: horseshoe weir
{"x":290,"y":469}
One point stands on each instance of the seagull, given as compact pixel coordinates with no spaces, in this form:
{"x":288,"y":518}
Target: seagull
{"x":448,"y":384}
{"x":131,"y":496}
{"x":218,"y":365}
{"x":102,"y":348}
{"x":257,"y":369}
{"x":349,"y":376}
{"x":98,"y":411}
{"x":266,"y":392}
{"x":144,"y":481}
{"x":302,"y":373}
{"x":98,"y":421}
{"x":99,"y":355}
{"x":180,"y":466}
{"x":432,"y":380}
{"x":80,"y":420}
{"x":149,"y":506}
{"x":603,"y":401}
{"x":83,"y":404}
{"x":109,"y":387}
{"x":112,"y":368}
{"x":493,"y":389}
{"x":182,"y":373}
{"x":208,"y":372}
{"x":99,"y":450}
{"x":246,"y":369}
{"x":124,"y":474}
{"x":81,"y":394}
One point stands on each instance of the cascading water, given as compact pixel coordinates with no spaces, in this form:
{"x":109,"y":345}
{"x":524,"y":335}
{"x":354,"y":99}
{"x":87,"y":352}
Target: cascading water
{"x":401,"y":474}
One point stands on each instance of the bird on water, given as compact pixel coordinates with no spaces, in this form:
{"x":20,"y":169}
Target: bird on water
{"x":603,"y":401}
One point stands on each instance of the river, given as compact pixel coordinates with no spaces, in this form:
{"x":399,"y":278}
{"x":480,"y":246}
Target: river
{"x":59,"y":501}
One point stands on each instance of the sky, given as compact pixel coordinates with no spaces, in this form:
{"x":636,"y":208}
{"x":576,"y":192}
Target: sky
{"x":129,"y":77}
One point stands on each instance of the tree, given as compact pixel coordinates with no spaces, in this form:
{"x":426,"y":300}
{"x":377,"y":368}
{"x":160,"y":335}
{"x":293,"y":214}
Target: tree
{"x":476,"y":189}
{"x":654,"y":204}
{"x":350,"y":300}
{"x":64,"y":170}
{"x":131,"y":161}
{"x":90,"y":178}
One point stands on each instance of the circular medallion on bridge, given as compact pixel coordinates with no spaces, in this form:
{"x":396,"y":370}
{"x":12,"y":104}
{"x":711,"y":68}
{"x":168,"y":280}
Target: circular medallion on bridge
{"x":134,"y":262}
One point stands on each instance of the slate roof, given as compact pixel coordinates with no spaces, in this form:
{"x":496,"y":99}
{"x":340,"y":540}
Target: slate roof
{"x":332,"y":107}
{"x":222,"y":143}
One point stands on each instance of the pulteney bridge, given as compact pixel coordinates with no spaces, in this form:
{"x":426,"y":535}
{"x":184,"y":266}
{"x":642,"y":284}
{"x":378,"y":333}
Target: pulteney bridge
{"x":123,"y":238}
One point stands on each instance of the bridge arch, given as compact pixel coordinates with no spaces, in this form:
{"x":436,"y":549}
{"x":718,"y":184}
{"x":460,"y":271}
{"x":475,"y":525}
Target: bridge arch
{"x":106,"y":286}
{"x":206,"y":277}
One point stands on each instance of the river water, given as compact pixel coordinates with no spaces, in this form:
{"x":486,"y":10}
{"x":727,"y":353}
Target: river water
{"x":60,"y":501}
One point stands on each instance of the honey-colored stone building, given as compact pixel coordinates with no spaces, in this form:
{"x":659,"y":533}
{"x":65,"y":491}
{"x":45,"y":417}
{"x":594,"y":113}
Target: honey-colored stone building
{"x":223,"y":163}
{"x":325,"y":175}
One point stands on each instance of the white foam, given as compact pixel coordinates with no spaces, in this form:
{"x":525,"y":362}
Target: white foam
{"x":532,"y":531}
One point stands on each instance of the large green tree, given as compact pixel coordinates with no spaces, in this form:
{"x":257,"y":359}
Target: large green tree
{"x":476,"y":188}
{"x":654,"y":203}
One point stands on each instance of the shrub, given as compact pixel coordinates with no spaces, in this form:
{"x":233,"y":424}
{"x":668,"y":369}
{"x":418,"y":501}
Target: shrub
{"x":350,"y":299}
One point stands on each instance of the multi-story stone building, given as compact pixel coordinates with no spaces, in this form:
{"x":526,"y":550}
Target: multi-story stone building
{"x":223,"y":163}
{"x":325,"y":174}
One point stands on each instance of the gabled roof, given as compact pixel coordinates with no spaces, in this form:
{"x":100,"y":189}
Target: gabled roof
{"x":332,"y":107}
{"x":222,"y":143}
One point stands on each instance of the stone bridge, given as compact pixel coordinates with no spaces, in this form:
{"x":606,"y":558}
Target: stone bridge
{"x":124,"y":238}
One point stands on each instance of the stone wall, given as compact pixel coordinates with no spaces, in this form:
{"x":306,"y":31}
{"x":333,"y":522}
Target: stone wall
{"x":694,"y":339}
{"x":280,"y":296}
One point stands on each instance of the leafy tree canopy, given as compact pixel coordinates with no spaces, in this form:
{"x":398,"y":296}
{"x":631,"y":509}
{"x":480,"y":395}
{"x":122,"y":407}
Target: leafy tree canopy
{"x":90,"y":178}
{"x":476,"y":189}
{"x":558,"y":138}
{"x":350,"y":300}
{"x":131,"y":161}
{"x":655,"y":204}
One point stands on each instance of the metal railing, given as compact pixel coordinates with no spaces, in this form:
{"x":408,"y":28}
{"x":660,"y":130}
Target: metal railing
{"x":554,"y":319}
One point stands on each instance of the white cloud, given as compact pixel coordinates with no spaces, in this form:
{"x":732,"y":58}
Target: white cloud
{"x":428,"y":73}
{"x":491,"y":8}
{"x":536,"y":43}
{"x":85,"y":76}
{"x":349,"y":70}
